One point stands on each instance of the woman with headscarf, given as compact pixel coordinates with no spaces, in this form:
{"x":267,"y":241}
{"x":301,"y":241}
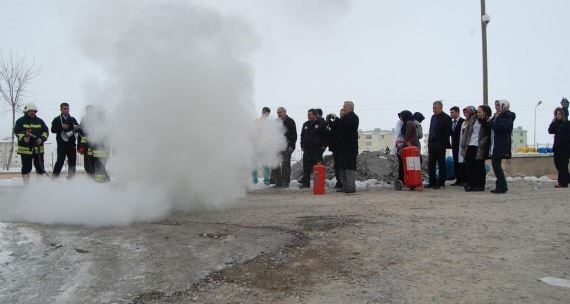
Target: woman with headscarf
{"x":469,"y":113}
{"x":477,"y":138}
{"x":501,"y":130}
{"x":418,"y":118}
{"x":560,"y":127}
{"x":409,"y":137}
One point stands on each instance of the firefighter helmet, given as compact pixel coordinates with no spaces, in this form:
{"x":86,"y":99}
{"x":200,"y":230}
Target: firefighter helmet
{"x":30,"y":107}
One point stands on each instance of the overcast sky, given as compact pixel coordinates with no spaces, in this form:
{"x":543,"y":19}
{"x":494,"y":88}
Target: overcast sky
{"x":385,"y":55}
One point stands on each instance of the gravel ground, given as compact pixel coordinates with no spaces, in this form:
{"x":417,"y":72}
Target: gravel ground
{"x":289,"y":246}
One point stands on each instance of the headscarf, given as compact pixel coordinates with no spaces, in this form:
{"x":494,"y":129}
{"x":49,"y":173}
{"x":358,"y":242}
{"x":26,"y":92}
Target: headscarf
{"x":418,"y":117}
{"x":405,"y":116}
{"x":504,"y":105}
{"x":470,"y":111}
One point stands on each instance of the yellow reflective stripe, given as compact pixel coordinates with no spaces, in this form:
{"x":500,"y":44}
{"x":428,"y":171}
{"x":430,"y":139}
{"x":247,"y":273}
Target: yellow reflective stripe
{"x":32,"y":126}
{"x":28,"y":150}
{"x":20,"y":135}
{"x":83,"y":140}
{"x":23,"y":150}
{"x":44,"y":134}
{"x":98,"y":153}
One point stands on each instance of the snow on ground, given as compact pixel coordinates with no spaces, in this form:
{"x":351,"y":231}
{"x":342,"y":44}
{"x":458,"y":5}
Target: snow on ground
{"x":5,"y":254}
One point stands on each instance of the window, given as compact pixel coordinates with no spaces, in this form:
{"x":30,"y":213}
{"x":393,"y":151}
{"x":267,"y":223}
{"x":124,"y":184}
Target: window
{"x":521,"y":141}
{"x":368,"y":143}
{"x":368,"y":136}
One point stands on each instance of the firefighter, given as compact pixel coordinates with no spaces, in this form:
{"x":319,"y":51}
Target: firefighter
{"x":83,"y":143}
{"x":31,"y":132}
{"x":94,"y":147}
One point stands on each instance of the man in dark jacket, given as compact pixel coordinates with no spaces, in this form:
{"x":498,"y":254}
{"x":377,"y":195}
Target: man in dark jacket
{"x":501,"y":131}
{"x":456,"y":122}
{"x":313,"y":142}
{"x":65,"y":127}
{"x":346,"y":132}
{"x":31,"y":132}
{"x":283,"y":172}
{"x":438,"y":141}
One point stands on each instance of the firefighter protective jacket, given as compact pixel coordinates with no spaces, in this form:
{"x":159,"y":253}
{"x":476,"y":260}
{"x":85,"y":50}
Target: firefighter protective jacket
{"x":34,"y":126}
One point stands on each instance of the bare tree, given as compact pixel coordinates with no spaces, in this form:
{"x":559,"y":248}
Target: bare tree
{"x":15,"y":76}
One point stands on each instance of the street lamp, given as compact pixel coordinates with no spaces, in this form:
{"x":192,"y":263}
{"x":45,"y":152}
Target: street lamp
{"x":534,"y":136}
{"x":485,"y":19}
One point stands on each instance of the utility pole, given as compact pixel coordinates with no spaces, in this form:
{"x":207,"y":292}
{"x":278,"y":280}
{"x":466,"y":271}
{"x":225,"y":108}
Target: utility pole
{"x":484,"y":21}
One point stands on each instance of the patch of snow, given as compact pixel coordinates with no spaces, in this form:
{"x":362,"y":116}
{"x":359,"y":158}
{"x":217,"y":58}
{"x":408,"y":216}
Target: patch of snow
{"x":556,"y":282}
{"x":5,"y":254}
{"x":530,"y":179}
{"x":545,"y":179}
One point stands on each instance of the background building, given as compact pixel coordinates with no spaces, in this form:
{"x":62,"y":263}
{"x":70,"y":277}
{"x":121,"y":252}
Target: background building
{"x":519,"y":138}
{"x":375,"y":140}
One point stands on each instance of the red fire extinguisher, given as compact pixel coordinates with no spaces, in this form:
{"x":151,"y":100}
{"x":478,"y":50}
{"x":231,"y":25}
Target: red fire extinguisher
{"x":319,"y":183}
{"x":413,"y":178}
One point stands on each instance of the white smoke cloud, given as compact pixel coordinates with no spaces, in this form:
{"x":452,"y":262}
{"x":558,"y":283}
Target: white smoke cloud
{"x":178,"y":93}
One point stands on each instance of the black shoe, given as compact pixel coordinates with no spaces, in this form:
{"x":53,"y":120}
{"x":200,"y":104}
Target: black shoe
{"x":456,"y":184}
{"x":338,"y":186}
{"x":477,"y":189}
{"x":349,"y":191}
{"x":430,"y":186}
{"x":340,"y":190}
{"x":468,"y":189}
{"x":304,"y":186}
{"x":277,"y":186}
{"x":498,"y":191}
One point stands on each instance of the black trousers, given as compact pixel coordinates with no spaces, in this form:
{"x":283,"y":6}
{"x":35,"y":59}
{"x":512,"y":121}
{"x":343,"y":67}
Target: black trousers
{"x":65,"y":151}
{"x":400,"y":168}
{"x":282,"y":174}
{"x":88,"y":164}
{"x":310,"y":158}
{"x":475,"y":173}
{"x":436,"y":156}
{"x":36,"y":159}
{"x":561,"y":162}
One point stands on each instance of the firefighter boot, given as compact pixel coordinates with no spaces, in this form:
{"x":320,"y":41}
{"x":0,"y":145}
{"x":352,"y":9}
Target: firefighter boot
{"x":26,"y":178}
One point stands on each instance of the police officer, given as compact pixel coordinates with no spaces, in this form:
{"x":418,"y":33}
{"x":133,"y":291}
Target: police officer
{"x":31,"y":132}
{"x":313,"y":142}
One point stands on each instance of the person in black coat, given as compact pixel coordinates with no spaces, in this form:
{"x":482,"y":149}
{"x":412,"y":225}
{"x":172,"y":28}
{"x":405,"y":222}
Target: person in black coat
{"x":438,"y":141}
{"x":346,"y":132}
{"x":65,"y":127}
{"x":456,"y":123}
{"x":560,"y":127}
{"x":501,"y":131}
{"x":333,"y":143}
{"x":313,"y":142}
{"x":283,"y":172}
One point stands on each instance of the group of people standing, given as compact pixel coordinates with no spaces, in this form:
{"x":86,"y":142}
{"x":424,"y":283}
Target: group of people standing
{"x":338,"y":133}
{"x":480,"y":135}
{"x":32,"y":132}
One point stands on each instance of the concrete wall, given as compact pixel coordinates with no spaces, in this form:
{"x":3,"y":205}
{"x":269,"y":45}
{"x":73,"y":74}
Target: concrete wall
{"x":528,"y":165}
